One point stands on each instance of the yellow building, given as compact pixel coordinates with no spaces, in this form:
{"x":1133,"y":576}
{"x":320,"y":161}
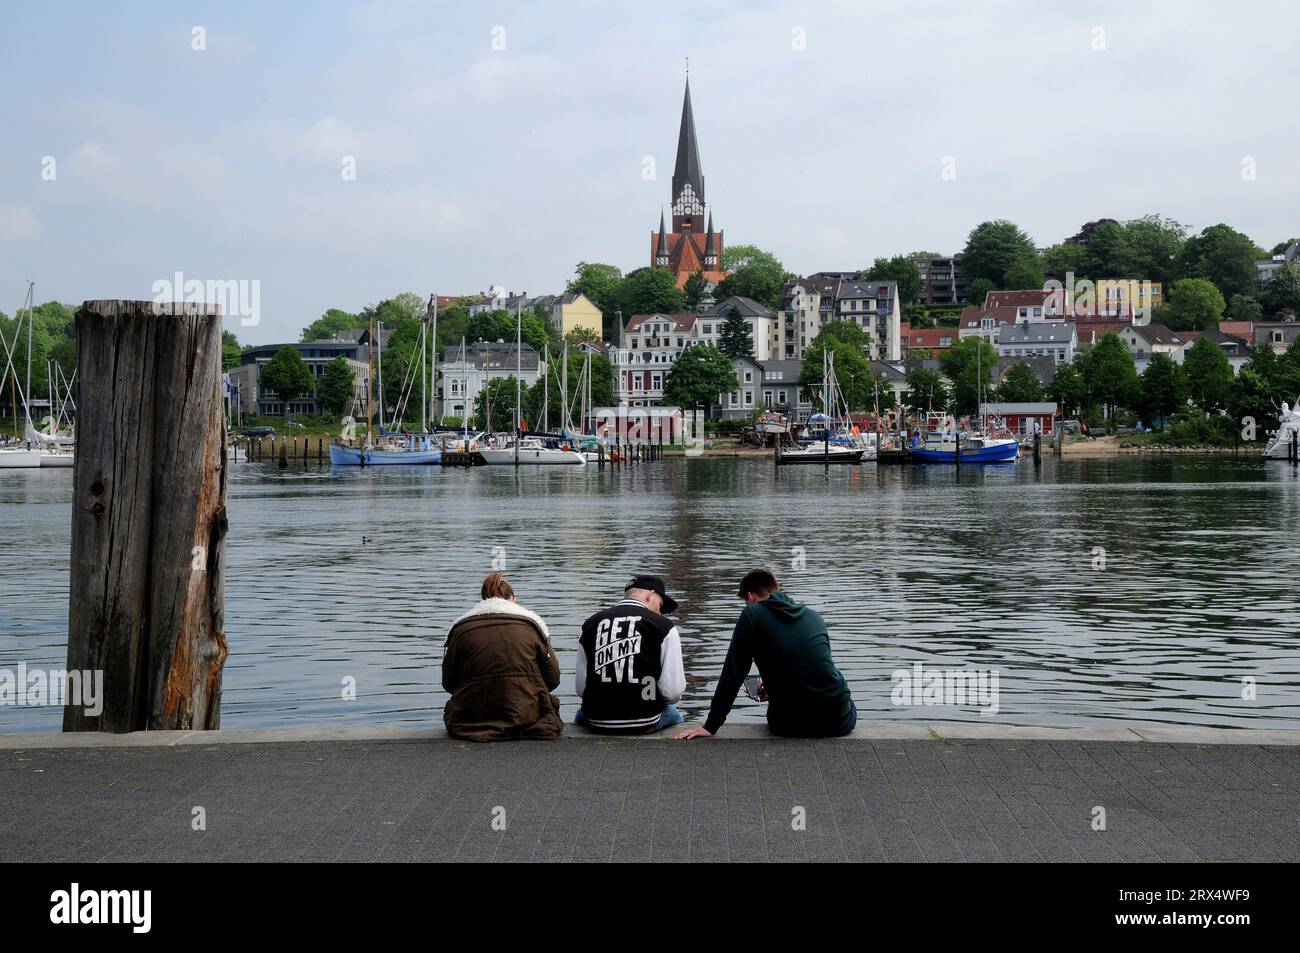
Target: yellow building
{"x":1116,"y":297}
{"x":573,"y":311}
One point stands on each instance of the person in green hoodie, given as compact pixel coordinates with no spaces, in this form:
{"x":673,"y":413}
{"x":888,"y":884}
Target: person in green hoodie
{"x":806,"y":694}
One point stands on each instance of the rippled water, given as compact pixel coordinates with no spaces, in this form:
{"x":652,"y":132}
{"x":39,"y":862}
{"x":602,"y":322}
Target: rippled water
{"x":985,"y":569}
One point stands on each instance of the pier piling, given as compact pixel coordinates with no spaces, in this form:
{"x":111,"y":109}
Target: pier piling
{"x":147,"y":566}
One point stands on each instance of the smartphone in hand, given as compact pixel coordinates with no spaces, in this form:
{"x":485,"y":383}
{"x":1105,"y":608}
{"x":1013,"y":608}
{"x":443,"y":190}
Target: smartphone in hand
{"x":754,"y":688}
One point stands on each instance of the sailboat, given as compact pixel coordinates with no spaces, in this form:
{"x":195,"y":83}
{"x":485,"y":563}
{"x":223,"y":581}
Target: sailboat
{"x":396,"y":449}
{"x":37,"y":448}
{"x":828,"y":447}
{"x":527,"y":449}
{"x":1279,"y":444}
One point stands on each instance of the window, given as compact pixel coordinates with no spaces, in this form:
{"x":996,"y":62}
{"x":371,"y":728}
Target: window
{"x":657,"y":382}
{"x":1038,"y":312}
{"x":732,"y":399}
{"x":780,"y":397}
{"x":767,"y":397}
{"x":708,"y":329}
{"x":749,"y":377}
{"x":749,"y":398}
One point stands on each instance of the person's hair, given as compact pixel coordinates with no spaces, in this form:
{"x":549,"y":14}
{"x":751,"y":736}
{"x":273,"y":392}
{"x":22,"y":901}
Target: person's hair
{"x":496,"y":587}
{"x":761,"y":582}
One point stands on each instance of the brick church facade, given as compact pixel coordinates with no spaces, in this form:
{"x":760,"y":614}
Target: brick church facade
{"x":692,"y":245}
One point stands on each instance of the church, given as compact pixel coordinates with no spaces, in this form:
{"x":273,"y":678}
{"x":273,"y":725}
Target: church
{"x":692,"y":245}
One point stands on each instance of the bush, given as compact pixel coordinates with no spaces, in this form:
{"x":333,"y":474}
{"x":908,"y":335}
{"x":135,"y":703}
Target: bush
{"x":1196,"y":430}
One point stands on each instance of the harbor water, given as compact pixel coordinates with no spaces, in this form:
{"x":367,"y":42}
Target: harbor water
{"x":1153,"y":590}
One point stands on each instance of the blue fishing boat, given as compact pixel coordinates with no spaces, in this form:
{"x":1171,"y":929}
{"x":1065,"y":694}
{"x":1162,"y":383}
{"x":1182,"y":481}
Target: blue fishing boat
{"x":426,"y":453}
{"x":942,"y":447}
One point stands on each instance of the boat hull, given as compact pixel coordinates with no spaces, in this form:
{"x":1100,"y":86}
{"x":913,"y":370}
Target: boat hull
{"x":49,"y":459}
{"x":1000,"y":453}
{"x":341,"y":456}
{"x":527,"y":457}
{"x":19,"y":459}
{"x":821,"y":456}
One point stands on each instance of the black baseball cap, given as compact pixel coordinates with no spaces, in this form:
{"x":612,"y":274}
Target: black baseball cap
{"x":654,"y":584}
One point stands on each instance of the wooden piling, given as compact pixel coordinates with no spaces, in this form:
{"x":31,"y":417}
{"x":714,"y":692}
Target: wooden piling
{"x":148,"y":518}
{"x":1038,"y":449}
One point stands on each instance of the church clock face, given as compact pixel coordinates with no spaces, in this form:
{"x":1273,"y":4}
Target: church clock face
{"x":687,"y":203}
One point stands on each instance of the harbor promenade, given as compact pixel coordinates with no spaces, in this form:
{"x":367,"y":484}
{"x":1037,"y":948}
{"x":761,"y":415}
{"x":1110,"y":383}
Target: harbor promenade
{"x":886,"y":793}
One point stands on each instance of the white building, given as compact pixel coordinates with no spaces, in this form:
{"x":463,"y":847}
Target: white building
{"x":1057,"y":340}
{"x":463,"y":379}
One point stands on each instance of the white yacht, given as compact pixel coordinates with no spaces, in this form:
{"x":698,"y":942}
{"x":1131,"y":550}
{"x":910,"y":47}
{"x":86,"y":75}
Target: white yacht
{"x":1279,"y":444}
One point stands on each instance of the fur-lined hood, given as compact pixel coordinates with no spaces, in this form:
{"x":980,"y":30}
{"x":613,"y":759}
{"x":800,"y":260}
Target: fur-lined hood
{"x":505,"y":607}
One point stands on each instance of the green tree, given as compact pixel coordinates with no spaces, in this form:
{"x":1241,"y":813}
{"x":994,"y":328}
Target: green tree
{"x":1209,"y":375}
{"x":598,"y":282}
{"x":902,"y":270}
{"x":978,"y":290}
{"x":646,"y":291}
{"x":852,"y":367}
{"x":330,"y":323}
{"x":1020,"y":385}
{"x":1244,"y":308}
{"x":754,"y":274}
{"x":734,"y":337}
{"x":1194,"y":304}
{"x":1253,"y":396}
{"x":1281,"y":247}
{"x":969,"y":365}
{"x":1061,"y":261}
{"x":230,"y":350}
{"x":499,"y":325}
{"x":700,"y":373}
{"x":1069,"y":390}
{"x":1107,"y":253}
{"x":992,"y":248}
{"x":1155,"y":247}
{"x":1163,"y":389}
{"x":1025,"y":273}
{"x":694,"y":289}
{"x":926,"y":391}
{"x":1282,"y":292}
{"x":337,"y":386}
{"x":287,"y":376}
{"x":494,"y":408}
{"x":1110,"y":374}
{"x":1223,"y":255}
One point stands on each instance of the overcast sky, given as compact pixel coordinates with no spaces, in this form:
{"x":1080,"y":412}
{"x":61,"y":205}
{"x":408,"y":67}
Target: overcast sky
{"x":824,"y":129}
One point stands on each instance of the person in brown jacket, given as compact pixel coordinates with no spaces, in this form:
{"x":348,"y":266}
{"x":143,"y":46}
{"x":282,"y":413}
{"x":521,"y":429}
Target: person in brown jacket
{"x":500,"y":669}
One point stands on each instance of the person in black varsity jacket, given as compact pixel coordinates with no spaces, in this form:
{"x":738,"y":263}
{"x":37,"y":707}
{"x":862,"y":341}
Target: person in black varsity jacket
{"x":629,"y":670}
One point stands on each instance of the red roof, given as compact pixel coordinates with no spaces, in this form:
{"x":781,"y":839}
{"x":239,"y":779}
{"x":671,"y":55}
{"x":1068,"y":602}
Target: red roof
{"x":1240,"y":329}
{"x":928,"y":338}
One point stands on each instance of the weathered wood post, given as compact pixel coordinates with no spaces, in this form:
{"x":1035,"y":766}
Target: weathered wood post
{"x":149,"y":516}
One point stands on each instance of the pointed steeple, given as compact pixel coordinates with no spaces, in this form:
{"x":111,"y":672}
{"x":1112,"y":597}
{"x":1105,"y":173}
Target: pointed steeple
{"x":686,"y":171}
{"x":662,"y":251}
{"x":710,"y":241}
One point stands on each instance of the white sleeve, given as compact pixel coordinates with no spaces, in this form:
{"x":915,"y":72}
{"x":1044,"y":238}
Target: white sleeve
{"x":580,"y":672}
{"x":672,"y":677}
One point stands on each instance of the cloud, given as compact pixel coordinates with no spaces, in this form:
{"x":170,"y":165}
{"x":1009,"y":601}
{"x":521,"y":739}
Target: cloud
{"x":18,"y":224}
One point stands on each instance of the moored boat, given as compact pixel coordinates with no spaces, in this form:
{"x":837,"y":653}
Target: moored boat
{"x":1288,"y":430}
{"x":19,"y":458}
{"x":943,"y":447}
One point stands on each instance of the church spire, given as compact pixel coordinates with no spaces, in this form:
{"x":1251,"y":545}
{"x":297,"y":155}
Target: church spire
{"x":688,"y":179}
{"x":661,"y":250}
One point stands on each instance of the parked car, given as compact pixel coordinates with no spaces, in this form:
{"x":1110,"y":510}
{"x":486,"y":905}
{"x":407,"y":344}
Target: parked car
{"x":259,"y":432}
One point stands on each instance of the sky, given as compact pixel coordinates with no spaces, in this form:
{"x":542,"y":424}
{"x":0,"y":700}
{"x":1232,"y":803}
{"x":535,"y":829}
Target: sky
{"x":503,"y":143}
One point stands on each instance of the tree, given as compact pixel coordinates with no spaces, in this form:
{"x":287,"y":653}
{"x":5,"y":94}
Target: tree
{"x":646,"y":291}
{"x":1194,"y":304}
{"x":1024,"y":273}
{"x":1281,"y":247}
{"x":1155,"y":246}
{"x":1061,"y":261}
{"x":978,"y":290}
{"x":694,"y":289}
{"x":1069,"y":390}
{"x":1106,"y":252}
{"x":598,"y":282}
{"x":926,"y":391}
{"x":329,"y":324}
{"x":1209,"y":375}
{"x":850,"y":345}
{"x":337,"y":387}
{"x":700,"y":373}
{"x":969,"y":365}
{"x":286,"y":375}
{"x":1020,"y":385}
{"x":1163,"y":389}
{"x":1282,"y":292}
{"x":499,"y":325}
{"x":230,"y":350}
{"x":1224,"y":256}
{"x":734,"y":337}
{"x":902,"y":270}
{"x":754,"y":274}
{"x":495,"y":405}
{"x":1244,"y":308}
{"x":992,"y":248}
{"x":1110,"y":374}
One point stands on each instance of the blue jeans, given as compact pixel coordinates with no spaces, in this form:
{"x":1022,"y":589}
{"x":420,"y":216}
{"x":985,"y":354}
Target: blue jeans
{"x":670,"y":717}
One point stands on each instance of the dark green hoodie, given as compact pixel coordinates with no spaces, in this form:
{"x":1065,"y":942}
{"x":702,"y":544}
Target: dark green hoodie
{"x":789,"y":643}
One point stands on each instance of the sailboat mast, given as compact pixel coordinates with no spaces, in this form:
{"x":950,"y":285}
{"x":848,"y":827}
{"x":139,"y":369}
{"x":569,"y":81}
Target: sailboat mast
{"x":370,"y":375}
{"x":27,"y":390}
{"x":519,"y":376}
{"x":546,"y":388}
{"x":381,"y":377}
{"x":424,"y":374}
{"x":565,"y":421}
{"x":433,"y":361}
